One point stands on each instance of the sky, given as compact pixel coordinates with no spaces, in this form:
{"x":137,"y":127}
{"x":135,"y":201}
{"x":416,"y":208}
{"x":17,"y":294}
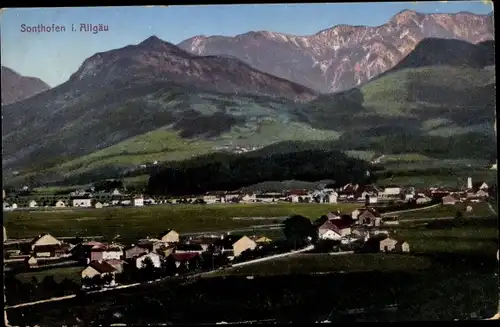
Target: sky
{"x":53,"y":57}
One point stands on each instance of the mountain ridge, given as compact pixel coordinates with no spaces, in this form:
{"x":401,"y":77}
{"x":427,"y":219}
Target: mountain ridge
{"x":343,"y":56}
{"x":16,"y":87}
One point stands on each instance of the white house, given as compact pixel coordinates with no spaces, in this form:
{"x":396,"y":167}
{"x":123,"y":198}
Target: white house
{"x":116,"y":192}
{"x":329,"y":234}
{"x":422,"y":200}
{"x":332,"y":197}
{"x":82,"y":202}
{"x":392,"y":191}
{"x":155,"y":258}
{"x":98,"y":205}
{"x":294,"y":198}
{"x":14,"y":206}
{"x":60,"y":204}
{"x":33,"y":204}
{"x":249,"y":198}
{"x":138,"y":201}
{"x":355,"y":214}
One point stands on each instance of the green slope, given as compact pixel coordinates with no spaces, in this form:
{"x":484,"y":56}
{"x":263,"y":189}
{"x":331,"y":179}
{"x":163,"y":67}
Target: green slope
{"x":397,"y":113}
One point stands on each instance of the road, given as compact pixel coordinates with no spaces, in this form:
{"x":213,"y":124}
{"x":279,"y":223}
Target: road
{"x":409,"y":210}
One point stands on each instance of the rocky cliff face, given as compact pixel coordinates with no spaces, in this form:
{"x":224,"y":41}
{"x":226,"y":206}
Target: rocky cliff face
{"x":16,"y":87}
{"x":344,"y":56}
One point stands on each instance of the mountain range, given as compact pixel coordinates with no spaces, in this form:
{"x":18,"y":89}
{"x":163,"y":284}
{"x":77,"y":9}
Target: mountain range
{"x":343,"y":56}
{"x":155,"y":101}
{"x":17,"y":88}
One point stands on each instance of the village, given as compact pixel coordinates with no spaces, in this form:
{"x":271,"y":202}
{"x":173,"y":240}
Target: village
{"x":108,"y":263}
{"x":369,"y":194}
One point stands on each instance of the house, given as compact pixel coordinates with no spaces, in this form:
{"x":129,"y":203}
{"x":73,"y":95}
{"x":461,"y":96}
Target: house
{"x":294,"y":195}
{"x":334,"y":229}
{"x":14,"y":206}
{"x":261,"y":239}
{"x":60,"y":204}
{"x":116,"y":192}
{"x":235,"y":244}
{"x":248,"y":198}
{"x":355,"y":214}
{"x":232,"y":196}
{"x":480,"y":186}
{"x":391,"y":191}
{"x":332,"y":197}
{"x":166,"y":250}
{"x":108,"y":252}
{"x":117,"y":264}
{"x":367,"y":216}
{"x":422,"y":200}
{"x":387,"y":245}
{"x":98,"y":205}
{"x":51,"y":251}
{"x":402,"y":246}
{"x":101,"y":268}
{"x":82,"y":202}
{"x":155,"y":259}
{"x":482,"y":193}
{"x":183,"y":258}
{"x":333,"y":215}
{"x":83,"y":251}
{"x":134,"y":251}
{"x":449,"y":200}
{"x":152,"y":244}
{"x":170,"y":236}
{"x":189,"y":248}
{"x":204,"y":242}
{"x":32,"y":204}
{"x":328,"y":231}
{"x":31,"y":262}
{"x":43,"y":240}
{"x":4,"y":234}
{"x":138,"y":201}
{"x":343,"y":226}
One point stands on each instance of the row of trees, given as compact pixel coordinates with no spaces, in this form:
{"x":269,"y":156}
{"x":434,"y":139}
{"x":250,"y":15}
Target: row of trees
{"x":228,"y":172}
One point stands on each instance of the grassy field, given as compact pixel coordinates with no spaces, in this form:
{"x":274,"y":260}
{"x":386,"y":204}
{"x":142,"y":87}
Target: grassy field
{"x":480,"y":209}
{"x":59,"y":274}
{"x":140,"y":222}
{"x":324,"y":263}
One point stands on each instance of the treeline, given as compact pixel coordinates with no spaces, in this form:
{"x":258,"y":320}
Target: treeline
{"x":469,"y":145}
{"x":229,"y":171}
{"x":34,"y":290}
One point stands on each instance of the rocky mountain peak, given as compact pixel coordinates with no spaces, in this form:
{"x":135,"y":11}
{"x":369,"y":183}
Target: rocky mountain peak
{"x":343,"y":56}
{"x":405,"y":16}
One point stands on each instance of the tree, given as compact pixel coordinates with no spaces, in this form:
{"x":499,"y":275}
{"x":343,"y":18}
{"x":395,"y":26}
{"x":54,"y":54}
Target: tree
{"x":168,"y":266}
{"x":97,"y":281}
{"x":107,"y":279}
{"x":459,"y":215}
{"x":147,"y":269}
{"x":299,"y":231}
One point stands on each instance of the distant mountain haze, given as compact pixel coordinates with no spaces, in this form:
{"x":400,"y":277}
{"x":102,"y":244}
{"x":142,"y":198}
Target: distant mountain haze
{"x":343,"y":56}
{"x":16,"y":87}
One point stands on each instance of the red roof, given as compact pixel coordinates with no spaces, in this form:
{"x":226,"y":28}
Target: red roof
{"x":102,"y":267}
{"x":184,"y":256}
{"x":297,"y":192}
{"x":341,"y":224}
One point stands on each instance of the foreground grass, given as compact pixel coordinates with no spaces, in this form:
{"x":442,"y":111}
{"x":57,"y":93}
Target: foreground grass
{"x":151,"y":220}
{"x":324,"y":263}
